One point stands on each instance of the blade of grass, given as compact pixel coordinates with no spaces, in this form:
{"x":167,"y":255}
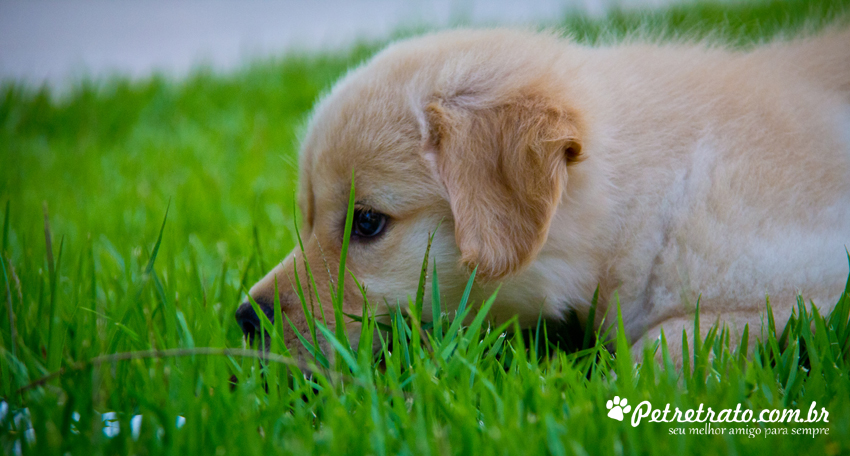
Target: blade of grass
{"x":367,"y":328}
{"x":436,"y":308}
{"x":742,"y":347}
{"x":187,"y":340}
{"x":536,"y":344}
{"x":315,"y":351}
{"x":791,"y":385}
{"x":590,"y":324}
{"x":669,"y":367}
{"x":481,"y":315}
{"x":5,"y":244}
{"x":624,"y":353}
{"x":696,"y":335}
{"x":406,"y":335}
{"x":461,"y":313}
{"x":492,"y":341}
{"x":446,"y":346}
{"x":420,"y":289}
{"x":168,"y":311}
{"x":343,"y":351}
{"x":311,"y":282}
{"x":339,"y":321}
{"x":155,"y":251}
{"x":311,"y":318}
{"x":13,"y":332}
{"x":277,"y":322}
{"x":267,"y":329}
{"x":839,"y":320}
{"x":54,"y":331}
{"x":686,"y":359}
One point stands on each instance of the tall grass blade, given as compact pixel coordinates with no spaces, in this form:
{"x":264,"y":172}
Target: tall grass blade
{"x":744,"y":346}
{"x":340,"y":349}
{"x":590,"y":324}
{"x":312,"y":290}
{"x":314,"y":350}
{"x":697,"y":337}
{"x":686,"y":359}
{"x":624,"y":353}
{"x":475,"y":326}
{"x":55,"y":330}
{"x":423,"y":275}
{"x":537,"y":335}
{"x":461,"y":308}
{"x":339,"y":321}
{"x":168,"y":311}
{"x":839,"y":320}
{"x":155,"y":251}
{"x":447,"y":345}
{"x":311,"y":318}
{"x":5,"y":244}
{"x":436,"y":307}
{"x":13,"y":332}
{"x":277,"y":322}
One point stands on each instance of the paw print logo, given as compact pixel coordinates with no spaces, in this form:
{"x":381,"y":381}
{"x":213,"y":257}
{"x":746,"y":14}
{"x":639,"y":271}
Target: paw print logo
{"x":617,"y":408}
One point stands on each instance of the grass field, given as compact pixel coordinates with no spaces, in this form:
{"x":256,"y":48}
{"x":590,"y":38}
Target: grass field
{"x":135,"y":308}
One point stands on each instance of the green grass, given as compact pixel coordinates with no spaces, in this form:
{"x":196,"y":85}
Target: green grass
{"x":126,"y":300}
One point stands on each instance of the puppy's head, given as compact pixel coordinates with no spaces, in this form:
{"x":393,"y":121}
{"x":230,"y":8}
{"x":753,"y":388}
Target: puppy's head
{"x":464,"y":130}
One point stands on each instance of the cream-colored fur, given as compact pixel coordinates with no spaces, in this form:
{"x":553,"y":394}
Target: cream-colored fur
{"x":662,"y":172}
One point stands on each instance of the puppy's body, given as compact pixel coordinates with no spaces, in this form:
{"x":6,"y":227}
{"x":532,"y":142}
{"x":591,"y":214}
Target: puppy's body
{"x":723,"y":177}
{"x":662,"y":172}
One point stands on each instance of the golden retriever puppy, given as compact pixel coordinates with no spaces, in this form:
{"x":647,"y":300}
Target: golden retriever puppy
{"x":664,"y":173}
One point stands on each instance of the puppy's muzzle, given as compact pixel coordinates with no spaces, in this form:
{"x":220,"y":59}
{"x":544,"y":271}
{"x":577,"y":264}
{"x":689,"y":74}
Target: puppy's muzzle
{"x":249,"y":321}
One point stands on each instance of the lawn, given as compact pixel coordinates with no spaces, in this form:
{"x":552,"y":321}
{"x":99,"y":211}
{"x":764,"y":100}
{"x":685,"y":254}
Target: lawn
{"x":135,"y":213}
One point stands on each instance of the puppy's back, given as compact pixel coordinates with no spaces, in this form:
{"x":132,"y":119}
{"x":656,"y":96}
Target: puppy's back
{"x":823,"y":59}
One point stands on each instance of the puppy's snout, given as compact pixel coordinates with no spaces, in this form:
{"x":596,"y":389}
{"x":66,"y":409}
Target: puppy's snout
{"x":249,"y":321}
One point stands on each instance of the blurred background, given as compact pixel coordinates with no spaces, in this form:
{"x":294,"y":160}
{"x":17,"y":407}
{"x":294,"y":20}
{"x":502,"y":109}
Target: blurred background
{"x":114,"y":112}
{"x":59,"y":41}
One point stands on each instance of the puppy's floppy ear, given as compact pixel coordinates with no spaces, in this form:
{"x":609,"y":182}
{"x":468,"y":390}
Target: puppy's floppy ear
{"x":504,"y":168}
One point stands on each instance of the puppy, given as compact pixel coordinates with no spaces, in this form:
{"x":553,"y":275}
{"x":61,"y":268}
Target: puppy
{"x":665,"y":174}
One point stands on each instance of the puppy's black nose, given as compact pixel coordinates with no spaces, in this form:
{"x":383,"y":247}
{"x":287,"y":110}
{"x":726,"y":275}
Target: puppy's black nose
{"x":249,"y":321}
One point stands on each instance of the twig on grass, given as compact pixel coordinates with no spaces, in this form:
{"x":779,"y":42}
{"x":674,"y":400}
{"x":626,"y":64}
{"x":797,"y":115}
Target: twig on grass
{"x":177,"y":353}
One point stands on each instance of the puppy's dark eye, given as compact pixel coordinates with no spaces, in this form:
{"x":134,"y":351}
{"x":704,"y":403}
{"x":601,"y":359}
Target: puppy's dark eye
{"x":368,"y":223}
